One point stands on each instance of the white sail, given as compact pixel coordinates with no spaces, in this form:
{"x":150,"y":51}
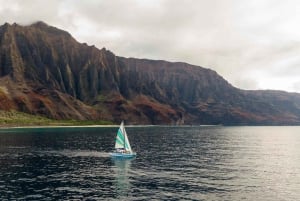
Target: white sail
{"x":120,"y":137}
{"x":127,"y":144}
{"x":122,"y":141}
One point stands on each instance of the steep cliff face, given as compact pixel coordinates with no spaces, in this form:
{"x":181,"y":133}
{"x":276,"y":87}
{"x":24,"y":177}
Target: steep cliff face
{"x":35,"y":71}
{"x":43,"y":70}
{"x":200,"y":95}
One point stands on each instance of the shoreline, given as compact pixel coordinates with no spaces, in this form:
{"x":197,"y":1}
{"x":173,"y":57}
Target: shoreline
{"x":3,"y":127}
{"x":30,"y":126}
{"x":54,"y":126}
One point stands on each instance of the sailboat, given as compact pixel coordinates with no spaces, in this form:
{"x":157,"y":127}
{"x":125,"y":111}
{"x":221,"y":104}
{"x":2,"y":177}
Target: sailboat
{"x":122,"y":145}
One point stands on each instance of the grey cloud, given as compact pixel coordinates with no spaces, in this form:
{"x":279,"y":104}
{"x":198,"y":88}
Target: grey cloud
{"x":26,"y":12}
{"x":240,"y":39}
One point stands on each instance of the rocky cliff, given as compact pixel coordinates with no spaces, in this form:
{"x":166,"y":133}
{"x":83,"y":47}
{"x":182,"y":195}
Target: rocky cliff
{"x":45,"y":71}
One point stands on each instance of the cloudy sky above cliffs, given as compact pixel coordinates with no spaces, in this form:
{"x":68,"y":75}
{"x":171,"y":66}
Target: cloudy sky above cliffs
{"x":252,"y":44}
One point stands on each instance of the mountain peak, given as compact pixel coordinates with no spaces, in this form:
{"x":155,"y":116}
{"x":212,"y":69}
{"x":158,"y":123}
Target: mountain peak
{"x":49,"y":29}
{"x":40,"y":24}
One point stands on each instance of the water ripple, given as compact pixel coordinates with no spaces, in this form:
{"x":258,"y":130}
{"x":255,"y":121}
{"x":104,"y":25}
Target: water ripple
{"x":173,"y":163}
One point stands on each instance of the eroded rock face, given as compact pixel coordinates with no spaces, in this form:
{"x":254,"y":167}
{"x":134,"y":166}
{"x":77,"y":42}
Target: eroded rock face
{"x":43,"y":70}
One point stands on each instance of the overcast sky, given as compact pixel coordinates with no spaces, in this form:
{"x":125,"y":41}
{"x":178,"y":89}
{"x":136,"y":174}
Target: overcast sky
{"x":254,"y":44}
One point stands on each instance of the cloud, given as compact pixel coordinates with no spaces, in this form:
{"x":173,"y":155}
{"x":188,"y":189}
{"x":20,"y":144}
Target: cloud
{"x":30,"y":11}
{"x":253,"y":44}
{"x":296,"y":85}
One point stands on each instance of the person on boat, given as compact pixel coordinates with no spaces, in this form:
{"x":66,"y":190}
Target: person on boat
{"x":121,"y":150}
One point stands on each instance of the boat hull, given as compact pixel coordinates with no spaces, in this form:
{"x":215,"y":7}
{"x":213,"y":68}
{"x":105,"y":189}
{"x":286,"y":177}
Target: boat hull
{"x":123,"y":155}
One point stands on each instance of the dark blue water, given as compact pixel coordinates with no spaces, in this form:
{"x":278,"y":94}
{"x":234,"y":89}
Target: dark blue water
{"x":173,"y":163}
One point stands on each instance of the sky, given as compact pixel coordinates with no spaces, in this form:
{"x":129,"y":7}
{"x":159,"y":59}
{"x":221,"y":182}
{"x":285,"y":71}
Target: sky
{"x":253,"y":44}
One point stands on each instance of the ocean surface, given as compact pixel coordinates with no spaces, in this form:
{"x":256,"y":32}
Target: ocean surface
{"x":173,"y":163}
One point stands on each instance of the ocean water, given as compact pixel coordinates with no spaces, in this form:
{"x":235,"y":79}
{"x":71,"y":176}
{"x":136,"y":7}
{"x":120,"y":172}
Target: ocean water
{"x":173,"y":163}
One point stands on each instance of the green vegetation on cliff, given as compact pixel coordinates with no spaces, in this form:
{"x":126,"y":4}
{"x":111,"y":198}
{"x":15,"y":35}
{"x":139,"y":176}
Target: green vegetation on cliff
{"x":15,"y":118}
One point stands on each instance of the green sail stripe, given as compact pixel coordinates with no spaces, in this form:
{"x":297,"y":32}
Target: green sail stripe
{"x":120,"y":135}
{"x":121,"y":142}
{"x":121,"y":138}
{"x":118,"y":141}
